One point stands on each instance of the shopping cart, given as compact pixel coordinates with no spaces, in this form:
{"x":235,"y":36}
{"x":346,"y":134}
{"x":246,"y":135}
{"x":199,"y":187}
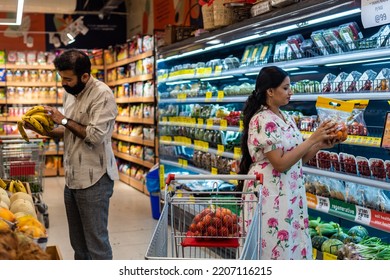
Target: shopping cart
{"x":25,"y":161}
{"x":202,"y":224}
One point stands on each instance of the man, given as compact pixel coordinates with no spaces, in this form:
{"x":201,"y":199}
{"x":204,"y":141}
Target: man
{"x":90,"y":167}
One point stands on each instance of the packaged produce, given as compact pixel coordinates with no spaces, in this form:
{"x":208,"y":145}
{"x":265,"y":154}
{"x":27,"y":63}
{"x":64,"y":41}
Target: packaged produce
{"x":356,"y":123}
{"x":327,"y":82}
{"x":338,"y":82}
{"x":336,"y":110}
{"x":323,"y":160}
{"x":350,"y":34}
{"x":387,"y":169}
{"x":335,"y":162}
{"x":247,"y":55}
{"x":336,"y":189}
{"x":294,"y":42}
{"x":230,"y":63}
{"x":280,"y":53}
{"x":348,"y":163}
{"x":350,"y":82}
{"x":308,"y":48}
{"x":263,"y":54}
{"x":366,"y":80}
{"x":320,"y":42}
{"x":363,"y":167}
{"x":334,"y":41}
{"x":382,"y":80}
{"x":377,"y":167}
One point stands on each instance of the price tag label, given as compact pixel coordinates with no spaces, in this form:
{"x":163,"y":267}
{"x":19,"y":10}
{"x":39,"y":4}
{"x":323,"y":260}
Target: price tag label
{"x":208,"y":71}
{"x":182,"y":96}
{"x":223,"y":124}
{"x":234,"y":182}
{"x":164,"y":119}
{"x":220,"y":149}
{"x":329,"y":257}
{"x":237,"y":153}
{"x":218,"y":70}
{"x":214,"y":171}
{"x":205,"y":146}
{"x":200,"y":71}
{"x":200,"y":121}
{"x":375,"y":13}
{"x":209,"y":95}
{"x":162,"y":176}
{"x":323,"y":204}
{"x":198,"y":145}
{"x":241,"y":125}
{"x":363,"y":215}
{"x":221,"y":94}
{"x":166,"y":138}
{"x":209,"y":123}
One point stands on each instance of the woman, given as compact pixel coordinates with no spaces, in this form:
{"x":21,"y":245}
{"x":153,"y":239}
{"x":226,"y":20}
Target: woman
{"x":273,"y":146}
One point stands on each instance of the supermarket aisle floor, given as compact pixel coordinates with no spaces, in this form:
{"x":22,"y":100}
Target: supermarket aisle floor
{"x":130,"y":222}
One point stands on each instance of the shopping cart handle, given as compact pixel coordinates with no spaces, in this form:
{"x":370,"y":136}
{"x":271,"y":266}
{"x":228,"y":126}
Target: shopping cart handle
{"x":172,"y":177}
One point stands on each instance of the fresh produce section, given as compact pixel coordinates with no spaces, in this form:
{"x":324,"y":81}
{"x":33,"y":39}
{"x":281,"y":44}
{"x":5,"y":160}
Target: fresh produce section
{"x":196,"y":94}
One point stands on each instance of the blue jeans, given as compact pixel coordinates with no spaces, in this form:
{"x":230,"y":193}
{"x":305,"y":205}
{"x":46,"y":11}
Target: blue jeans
{"x":87,"y":213}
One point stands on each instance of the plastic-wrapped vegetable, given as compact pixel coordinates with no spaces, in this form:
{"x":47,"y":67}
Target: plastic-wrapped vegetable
{"x":332,"y":37}
{"x":350,"y":34}
{"x":294,"y":43}
{"x":320,"y":42}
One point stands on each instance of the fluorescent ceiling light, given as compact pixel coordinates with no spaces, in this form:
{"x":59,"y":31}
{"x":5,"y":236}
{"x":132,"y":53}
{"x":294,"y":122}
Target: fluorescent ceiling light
{"x":291,"y":69}
{"x":18,"y":17}
{"x":356,"y":61}
{"x":304,"y":72}
{"x":214,"y":42}
{"x":177,"y":82}
{"x":251,"y":74}
{"x":217,"y":78}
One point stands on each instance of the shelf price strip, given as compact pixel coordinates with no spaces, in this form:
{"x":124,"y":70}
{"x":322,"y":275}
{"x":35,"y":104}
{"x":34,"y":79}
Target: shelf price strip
{"x":362,"y":215}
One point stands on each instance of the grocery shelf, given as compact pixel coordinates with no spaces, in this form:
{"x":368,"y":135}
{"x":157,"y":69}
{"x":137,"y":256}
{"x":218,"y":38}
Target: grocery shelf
{"x":225,"y":99}
{"x":349,"y":178}
{"x":133,"y":139}
{"x":30,"y":102}
{"x":30,"y":67}
{"x":134,"y":159}
{"x":130,"y":59}
{"x":372,"y":95}
{"x":204,"y":126}
{"x":135,"y":99}
{"x":31,"y":84}
{"x":356,"y":140}
{"x":139,"y":78}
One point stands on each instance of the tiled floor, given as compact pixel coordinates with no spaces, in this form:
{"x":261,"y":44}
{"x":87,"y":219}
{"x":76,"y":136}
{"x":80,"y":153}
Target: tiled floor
{"x":130,"y":220}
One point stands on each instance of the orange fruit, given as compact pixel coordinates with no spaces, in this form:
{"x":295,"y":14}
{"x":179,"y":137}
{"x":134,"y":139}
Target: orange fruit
{"x":7,"y":215}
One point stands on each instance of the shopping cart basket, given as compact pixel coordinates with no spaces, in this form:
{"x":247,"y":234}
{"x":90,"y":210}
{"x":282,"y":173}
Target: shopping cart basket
{"x":201,"y":224}
{"x":25,"y":161}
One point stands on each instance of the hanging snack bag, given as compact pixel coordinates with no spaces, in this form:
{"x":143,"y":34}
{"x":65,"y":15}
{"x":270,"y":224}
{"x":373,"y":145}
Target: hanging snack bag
{"x":336,"y":110}
{"x":356,"y":124}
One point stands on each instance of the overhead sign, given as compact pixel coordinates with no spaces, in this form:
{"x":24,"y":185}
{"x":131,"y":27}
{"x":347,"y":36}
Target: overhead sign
{"x":375,"y":12}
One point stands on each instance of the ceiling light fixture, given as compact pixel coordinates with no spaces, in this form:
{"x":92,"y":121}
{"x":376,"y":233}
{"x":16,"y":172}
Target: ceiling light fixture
{"x":18,"y":17}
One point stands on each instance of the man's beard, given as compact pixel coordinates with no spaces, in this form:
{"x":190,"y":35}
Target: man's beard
{"x":76,"y":89}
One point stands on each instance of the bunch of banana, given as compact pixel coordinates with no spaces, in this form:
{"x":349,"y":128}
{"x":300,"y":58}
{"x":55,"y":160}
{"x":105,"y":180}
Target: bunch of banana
{"x":15,"y":186}
{"x":37,"y":117}
{"x":3,"y":184}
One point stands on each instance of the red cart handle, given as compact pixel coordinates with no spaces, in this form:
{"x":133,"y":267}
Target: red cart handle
{"x":172,"y":177}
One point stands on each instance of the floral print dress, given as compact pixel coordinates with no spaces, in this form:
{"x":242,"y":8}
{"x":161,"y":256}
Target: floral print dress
{"x":284,"y":221}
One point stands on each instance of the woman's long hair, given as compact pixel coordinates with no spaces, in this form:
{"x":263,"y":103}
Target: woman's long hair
{"x":269,"y":77}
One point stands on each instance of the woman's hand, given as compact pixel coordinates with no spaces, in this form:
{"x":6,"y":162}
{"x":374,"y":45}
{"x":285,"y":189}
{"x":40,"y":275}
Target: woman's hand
{"x":325,"y":133}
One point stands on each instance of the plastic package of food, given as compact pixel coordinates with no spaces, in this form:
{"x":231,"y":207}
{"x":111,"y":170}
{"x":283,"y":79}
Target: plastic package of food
{"x":294,"y":42}
{"x":333,"y":39}
{"x":350,"y":34}
{"x":356,"y":124}
{"x":377,"y":167}
{"x":231,"y":62}
{"x":336,"y":189}
{"x":327,"y":81}
{"x":335,"y":162}
{"x":363,"y":167}
{"x":366,"y":80}
{"x":308,"y":48}
{"x":323,"y":160}
{"x":247,"y":55}
{"x":351,"y":81}
{"x":264,"y":54}
{"x":336,"y":110}
{"x":387,"y":169}
{"x":338,"y":82}
{"x":382,"y":80}
{"x":320,"y":42}
{"x":348,"y":163}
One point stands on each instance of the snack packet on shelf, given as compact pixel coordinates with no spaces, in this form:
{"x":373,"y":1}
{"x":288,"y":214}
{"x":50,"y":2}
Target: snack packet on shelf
{"x":356,"y":123}
{"x":336,"y":110}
